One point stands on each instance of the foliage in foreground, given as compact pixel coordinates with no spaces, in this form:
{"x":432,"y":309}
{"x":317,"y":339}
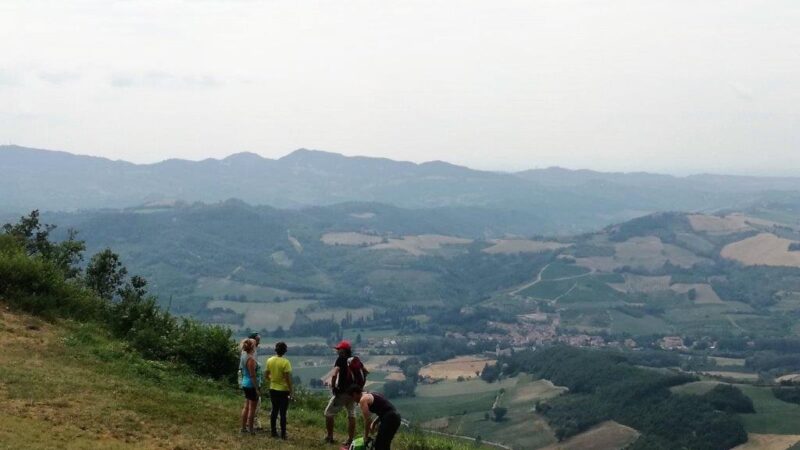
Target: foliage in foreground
{"x":43,"y":277}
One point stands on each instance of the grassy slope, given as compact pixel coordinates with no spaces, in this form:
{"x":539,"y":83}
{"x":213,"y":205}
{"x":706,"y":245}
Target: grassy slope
{"x":67,"y":385}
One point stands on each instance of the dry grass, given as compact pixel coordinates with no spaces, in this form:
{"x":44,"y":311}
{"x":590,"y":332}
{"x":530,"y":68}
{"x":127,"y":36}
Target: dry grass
{"x":731,"y":223}
{"x":350,"y":238}
{"x":765,"y":249}
{"x":513,"y":246}
{"x":790,"y":378}
{"x":705,"y":293}
{"x":606,"y":436}
{"x":536,"y":390}
{"x":769,"y":442}
{"x":463,"y":366}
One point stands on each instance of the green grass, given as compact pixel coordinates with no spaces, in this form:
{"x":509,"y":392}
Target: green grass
{"x":772,"y":416}
{"x":420,"y":409}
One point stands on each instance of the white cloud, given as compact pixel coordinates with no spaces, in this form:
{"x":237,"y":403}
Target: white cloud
{"x":617,"y":85}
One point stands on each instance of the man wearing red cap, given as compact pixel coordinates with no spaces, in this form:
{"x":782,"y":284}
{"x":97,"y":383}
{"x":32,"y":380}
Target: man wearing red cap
{"x":340,"y":382}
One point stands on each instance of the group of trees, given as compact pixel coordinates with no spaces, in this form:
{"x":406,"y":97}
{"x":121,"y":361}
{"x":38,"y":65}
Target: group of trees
{"x":44,"y":277}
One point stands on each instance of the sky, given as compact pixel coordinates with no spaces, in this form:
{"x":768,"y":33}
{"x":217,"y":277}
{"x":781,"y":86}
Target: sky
{"x":675,"y":86}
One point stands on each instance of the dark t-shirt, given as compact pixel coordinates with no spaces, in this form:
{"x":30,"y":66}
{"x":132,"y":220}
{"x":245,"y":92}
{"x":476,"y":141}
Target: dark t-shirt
{"x":342,"y":382}
{"x":380,"y":406}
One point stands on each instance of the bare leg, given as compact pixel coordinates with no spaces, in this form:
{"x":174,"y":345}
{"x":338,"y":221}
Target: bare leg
{"x":329,"y":426}
{"x":351,"y":427}
{"x":251,"y":414}
{"x":245,"y":413}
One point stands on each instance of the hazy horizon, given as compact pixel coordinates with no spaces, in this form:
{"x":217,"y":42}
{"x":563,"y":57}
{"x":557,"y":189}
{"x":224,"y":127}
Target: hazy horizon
{"x":660,"y":86}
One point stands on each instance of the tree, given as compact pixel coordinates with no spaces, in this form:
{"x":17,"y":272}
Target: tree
{"x":105,"y":274}
{"x":499,"y":413}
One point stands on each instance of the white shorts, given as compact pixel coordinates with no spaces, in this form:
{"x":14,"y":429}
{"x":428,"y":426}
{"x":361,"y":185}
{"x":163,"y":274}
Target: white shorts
{"x":339,"y":402}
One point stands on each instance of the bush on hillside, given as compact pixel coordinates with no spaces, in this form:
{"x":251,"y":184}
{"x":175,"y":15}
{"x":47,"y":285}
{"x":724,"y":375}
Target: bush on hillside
{"x":41,"y":277}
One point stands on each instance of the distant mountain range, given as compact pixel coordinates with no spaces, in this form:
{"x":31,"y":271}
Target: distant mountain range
{"x":557,"y":200}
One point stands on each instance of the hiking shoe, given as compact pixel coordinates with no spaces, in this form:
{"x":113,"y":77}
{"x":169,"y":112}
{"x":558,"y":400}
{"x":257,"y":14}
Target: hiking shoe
{"x":347,"y":443}
{"x":243,"y":431}
{"x":328,"y":440}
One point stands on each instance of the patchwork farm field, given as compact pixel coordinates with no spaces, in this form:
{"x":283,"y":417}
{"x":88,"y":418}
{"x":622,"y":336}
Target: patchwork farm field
{"x":607,"y":435}
{"x":462,"y":366}
{"x":772,"y":416}
{"x":462,"y":408}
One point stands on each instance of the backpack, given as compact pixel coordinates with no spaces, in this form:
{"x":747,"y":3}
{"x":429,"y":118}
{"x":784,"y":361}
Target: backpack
{"x":357,"y":373}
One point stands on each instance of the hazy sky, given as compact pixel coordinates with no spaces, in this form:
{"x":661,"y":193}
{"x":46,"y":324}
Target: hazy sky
{"x":672,"y":86}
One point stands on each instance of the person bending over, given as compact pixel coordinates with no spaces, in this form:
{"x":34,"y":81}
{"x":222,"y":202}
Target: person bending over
{"x":387,"y":422}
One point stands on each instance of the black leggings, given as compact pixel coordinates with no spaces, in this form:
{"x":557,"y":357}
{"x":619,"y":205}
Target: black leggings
{"x":388,"y":426}
{"x":280,"y":403}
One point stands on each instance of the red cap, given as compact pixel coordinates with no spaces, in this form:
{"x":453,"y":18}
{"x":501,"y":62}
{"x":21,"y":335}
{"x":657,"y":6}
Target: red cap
{"x":344,"y":345}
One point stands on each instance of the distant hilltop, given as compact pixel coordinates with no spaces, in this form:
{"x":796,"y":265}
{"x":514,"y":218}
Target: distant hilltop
{"x":572,"y":200}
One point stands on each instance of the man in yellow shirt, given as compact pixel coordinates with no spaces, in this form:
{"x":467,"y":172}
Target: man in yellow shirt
{"x":279,"y":375}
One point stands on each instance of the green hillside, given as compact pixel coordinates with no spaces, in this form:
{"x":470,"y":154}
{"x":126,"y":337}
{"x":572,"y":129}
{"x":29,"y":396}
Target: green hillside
{"x":67,"y":384}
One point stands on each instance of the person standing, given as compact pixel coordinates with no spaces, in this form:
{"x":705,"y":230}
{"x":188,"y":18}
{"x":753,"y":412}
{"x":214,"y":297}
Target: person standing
{"x":340,"y":381}
{"x":242,"y":358}
{"x":250,"y":386}
{"x":387,"y":422}
{"x":279,"y":376}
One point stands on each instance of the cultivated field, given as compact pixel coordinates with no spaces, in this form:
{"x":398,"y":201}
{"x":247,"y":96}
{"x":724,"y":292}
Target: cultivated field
{"x":533,"y":391}
{"x":642,"y":283}
{"x":419,"y":245}
{"x":606,"y":436}
{"x":768,"y":441}
{"x":772,"y":416}
{"x":741,"y":376}
{"x":219,"y":287}
{"x":790,"y":378}
{"x":728,"y":362}
{"x":350,"y":238}
{"x":647,"y":253}
{"x":462,"y":366}
{"x":364,"y":215}
{"x":731,"y":223}
{"x":765,"y":249}
{"x":268,"y":316}
{"x":511,"y":246}
{"x":704,"y":292}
